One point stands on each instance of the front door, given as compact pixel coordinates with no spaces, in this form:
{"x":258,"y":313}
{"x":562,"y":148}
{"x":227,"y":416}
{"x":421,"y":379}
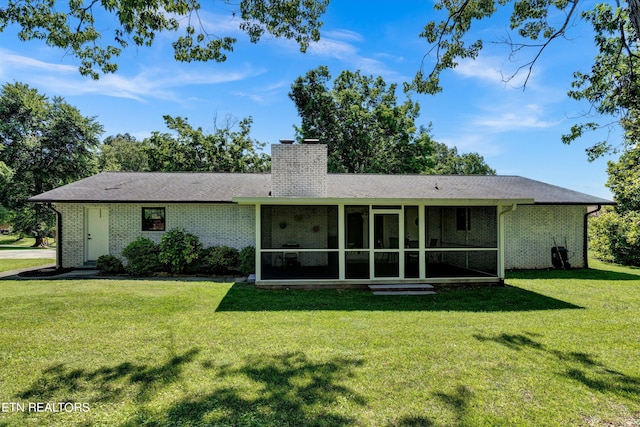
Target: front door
{"x":97,"y":238}
{"x":386,"y":238}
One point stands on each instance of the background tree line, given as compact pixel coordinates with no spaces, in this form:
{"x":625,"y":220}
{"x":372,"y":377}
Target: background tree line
{"x":46,"y":143}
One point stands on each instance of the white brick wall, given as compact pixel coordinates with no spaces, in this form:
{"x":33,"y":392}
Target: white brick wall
{"x":215,"y":224}
{"x":530,"y":230}
{"x":299,"y":170}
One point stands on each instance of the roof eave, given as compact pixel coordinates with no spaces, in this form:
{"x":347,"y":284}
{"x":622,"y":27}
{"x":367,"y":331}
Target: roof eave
{"x":376,"y":201}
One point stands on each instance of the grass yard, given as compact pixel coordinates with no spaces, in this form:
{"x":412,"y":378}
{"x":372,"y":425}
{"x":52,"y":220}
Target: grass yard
{"x":24,"y":243}
{"x":14,"y":264}
{"x":557,"y":348}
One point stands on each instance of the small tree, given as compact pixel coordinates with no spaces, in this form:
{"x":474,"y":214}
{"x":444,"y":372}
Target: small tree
{"x":179,"y":249}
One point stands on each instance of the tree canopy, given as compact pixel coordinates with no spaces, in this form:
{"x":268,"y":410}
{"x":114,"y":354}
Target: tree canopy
{"x":80,"y":27}
{"x":45,"y":144}
{"x":123,"y":153}
{"x":612,"y":86}
{"x":229,"y":148}
{"x":615,"y":234}
{"x":367,"y":130}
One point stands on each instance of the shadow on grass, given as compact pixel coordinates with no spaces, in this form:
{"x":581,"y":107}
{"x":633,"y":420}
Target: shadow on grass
{"x":284,"y":389}
{"x":287,"y":390}
{"x":243,"y":297}
{"x":107,"y":383}
{"x":578,"y":274}
{"x":581,"y":367}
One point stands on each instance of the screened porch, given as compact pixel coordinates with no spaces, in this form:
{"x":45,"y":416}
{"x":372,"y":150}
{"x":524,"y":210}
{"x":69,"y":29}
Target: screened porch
{"x":377,"y":242}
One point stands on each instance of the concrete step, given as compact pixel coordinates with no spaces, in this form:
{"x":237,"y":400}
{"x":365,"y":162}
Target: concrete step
{"x":403,"y":292}
{"x":402,"y":286}
{"x":403,"y":289}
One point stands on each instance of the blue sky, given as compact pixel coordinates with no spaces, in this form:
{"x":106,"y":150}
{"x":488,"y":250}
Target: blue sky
{"x":518,"y":132}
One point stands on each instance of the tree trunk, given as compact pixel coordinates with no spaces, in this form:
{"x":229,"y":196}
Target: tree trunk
{"x":634,"y":17}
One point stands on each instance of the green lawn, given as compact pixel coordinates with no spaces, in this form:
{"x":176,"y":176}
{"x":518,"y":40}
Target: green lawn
{"x":24,"y":243}
{"x":554,"y":348}
{"x":14,"y":264}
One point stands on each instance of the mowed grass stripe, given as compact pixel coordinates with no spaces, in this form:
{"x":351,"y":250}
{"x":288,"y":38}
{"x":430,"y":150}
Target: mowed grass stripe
{"x":552,"y":348}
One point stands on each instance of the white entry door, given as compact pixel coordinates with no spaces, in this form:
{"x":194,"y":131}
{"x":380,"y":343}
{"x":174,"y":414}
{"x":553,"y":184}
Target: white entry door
{"x":97,"y":233}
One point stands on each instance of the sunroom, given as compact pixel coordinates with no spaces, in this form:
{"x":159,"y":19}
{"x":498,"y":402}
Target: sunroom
{"x":366,"y":242}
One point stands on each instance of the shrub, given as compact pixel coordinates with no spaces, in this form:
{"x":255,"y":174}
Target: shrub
{"x":179,"y":249}
{"x":142,"y":257}
{"x":221,"y":259}
{"x":247,"y":260}
{"x":109,"y":264}
{"x":615,"y":237}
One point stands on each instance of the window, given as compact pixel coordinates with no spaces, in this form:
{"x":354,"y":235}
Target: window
{"x":463,"y":219}
{"x":153,"y":219}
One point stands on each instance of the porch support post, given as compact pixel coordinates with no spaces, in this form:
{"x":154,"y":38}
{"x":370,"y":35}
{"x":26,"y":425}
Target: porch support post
{"x":258,"y":242}
{"x":500,"y":241}
{"x":342,"y":272}
{"x":422,"y":232}
{"x":501,"y":211}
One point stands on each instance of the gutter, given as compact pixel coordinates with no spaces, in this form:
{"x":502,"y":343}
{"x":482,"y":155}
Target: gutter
{"x":58,"y":235}
{"x":585,"y":239}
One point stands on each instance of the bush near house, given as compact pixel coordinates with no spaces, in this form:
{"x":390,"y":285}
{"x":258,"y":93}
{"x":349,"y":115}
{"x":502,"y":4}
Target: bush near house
{"x":247,"y":260}
{"x":179,"y":252}
{"x":109,"y":264}
{"x":221,"y":259}
{"x":142,"y":257}
{"x":179,"y":249}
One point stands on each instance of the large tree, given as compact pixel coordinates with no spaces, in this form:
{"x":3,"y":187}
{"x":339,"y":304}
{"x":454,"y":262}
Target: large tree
{"x":447,"y":161}
{"x":123,"y":153}
{"x":360,"y":120}
{"x":229,"y":148}
{"x":45,"y":144}
{"x":367,"y":131}
{"x":612,"y":86}
{"x":97,"y":31}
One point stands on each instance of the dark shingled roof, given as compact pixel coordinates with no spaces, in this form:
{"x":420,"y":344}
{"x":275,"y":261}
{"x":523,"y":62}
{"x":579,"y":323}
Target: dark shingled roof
{"x":190,"y":187}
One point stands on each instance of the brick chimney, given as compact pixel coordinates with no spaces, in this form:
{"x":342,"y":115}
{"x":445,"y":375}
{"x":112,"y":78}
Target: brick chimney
{"x":299,"y":170}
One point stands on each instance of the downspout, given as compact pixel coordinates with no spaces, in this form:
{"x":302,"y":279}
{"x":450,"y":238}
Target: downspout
{"x":585,"y":237}
{"x":512,"y":208}
{"x":58,"y":235}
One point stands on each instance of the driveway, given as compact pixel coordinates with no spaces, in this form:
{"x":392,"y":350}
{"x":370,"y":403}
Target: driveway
{"x":25,"y":253}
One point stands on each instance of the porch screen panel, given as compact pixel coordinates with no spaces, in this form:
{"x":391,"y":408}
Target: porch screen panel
{"x":479,"y":263}
{"x":461,"y":227}
{"x":411,"y":242}
{"x":299,"y":242}
{"x":303,"y":227}
{"x":461,"y":241}
{"x":356,"y":224}
{"x":293,"y":265}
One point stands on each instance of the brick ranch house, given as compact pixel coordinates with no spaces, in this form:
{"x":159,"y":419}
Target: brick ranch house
{"x":310,"y":227}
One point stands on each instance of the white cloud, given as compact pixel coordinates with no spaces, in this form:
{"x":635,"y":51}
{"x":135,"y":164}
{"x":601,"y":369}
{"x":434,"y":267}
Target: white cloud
{"x":343,"y":35}
{"x":332,"y":48}
{"x":492,"y":69}
{"x":473,"y":143}
{"x":149,"y":83}
{"x":349,"y":54}
{"x":528,"y":117}
{"x":12,"y":61}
